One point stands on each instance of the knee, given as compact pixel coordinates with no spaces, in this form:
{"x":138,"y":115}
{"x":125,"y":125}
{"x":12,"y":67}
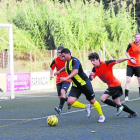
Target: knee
{"x":70,"y":102}
{"x":63,"y":93}
{"x":139,"y":80}
{"x":128,"y":81}
{"x":102,"y":99}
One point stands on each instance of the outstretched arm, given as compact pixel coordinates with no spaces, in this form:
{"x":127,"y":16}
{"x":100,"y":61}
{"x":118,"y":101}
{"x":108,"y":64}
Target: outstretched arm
{"x":133,"y":61}
{"x":124,"y":59}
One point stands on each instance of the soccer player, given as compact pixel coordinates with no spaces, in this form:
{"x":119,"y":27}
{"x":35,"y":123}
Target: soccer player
{"x":62,"y":86}
{"x":80,"y":84}
{"x":133,"y":65}
{"x":104,"y":70}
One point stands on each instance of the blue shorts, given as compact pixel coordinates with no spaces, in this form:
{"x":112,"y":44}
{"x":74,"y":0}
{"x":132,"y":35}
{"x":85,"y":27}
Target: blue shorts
{"x":87,"y":90}
{"x":62,"y":85}
{"x":115,"y":92}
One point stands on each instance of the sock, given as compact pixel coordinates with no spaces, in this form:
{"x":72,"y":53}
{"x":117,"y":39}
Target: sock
{"x":139,"y":91}
{"x":66,"y":98}
{"x":111,"y":103}
{"x":62,"y":101}
{"x":126,"y":109}
{"x":77,"y":104}
{"x":97,"y":107}
{"x":126,"y":92}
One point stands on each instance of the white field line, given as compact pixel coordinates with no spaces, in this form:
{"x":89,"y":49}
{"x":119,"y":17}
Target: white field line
{"x":60,"y":114}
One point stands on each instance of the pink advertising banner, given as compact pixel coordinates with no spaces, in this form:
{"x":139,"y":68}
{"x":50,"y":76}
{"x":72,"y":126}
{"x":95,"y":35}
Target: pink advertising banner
{"x":21,"y":82}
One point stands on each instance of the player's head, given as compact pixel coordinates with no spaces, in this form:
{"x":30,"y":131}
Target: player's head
{"x":137,"y":38}
{"x":60,"y":48}
{"x":66,"y":54}
{"x":94,"y":58}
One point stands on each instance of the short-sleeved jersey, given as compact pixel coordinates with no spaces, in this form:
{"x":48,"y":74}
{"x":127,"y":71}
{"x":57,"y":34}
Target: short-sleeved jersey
{"x":80,"y":78}
{"x":134,"y":51}
{"x":105,"y":73}
{"x":59,"y":64}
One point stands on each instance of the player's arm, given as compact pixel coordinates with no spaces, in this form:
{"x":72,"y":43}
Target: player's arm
{"x":51,"y":74}
{"x":91,"y":76}
{"x":73,"y":73}
{"x":58,"y":72}
{"x":124,"y":59}
{"x":133,"y":61}
{"x":52,"y":66}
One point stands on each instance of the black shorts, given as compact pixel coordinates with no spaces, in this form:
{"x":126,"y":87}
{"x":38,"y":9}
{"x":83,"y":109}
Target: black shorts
{"x":115,"y":92}
{"x":62,"y":85}
{"x":133,"y":71}
{"x":87,"y":90}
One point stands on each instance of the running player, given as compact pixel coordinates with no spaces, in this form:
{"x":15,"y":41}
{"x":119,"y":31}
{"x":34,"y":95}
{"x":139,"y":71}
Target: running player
{"x":104,"y":70}
{"x":133,"y":65}
{"x":80,"y":84}
{"x":62,"y":86}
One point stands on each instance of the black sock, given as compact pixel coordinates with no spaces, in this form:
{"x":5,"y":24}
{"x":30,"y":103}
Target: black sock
{"x":128,"y":110}
{"x":62,"y":101}
{"x":66,"y":99}
{"x":126,"y":92}
{"x":111,"y":103}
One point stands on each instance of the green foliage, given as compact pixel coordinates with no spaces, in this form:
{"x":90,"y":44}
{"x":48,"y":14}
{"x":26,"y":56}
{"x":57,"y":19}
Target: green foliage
{"x":45,"y":24}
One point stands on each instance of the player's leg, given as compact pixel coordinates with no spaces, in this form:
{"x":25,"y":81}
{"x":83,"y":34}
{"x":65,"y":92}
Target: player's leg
{"x":73,"y":96}
{"x":139,"y":85}
{"x":98,"y":109}
{"x":113,"y":91}
{"x":90,"y":96}
{"x":137,"y":73}
{"x":128,"y":79}
{"x":129,"y":74}
{"x":62,"y":89}
{"x":58,"y":109}
{"x":72,"y":100}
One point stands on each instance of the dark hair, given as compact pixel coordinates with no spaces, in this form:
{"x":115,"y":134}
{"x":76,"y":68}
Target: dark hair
{"x":60,"y":48}
{"x":66,"y":51}
{"x":93,"y":56}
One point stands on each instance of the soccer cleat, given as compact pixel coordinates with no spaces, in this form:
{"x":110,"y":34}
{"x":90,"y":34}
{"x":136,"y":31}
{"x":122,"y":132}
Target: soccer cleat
{"x":132,"y":115}
{"x":0,"y":107}
{"x":87,"y":108}
{"x":58,"y":110}
{"x":69,"y":106}
{"x":101,"y":118}
{"x":119,"y":110}
{"x":126,"y":98}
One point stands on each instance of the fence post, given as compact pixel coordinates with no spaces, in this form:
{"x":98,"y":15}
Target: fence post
{"x":104,"y":50}
{"x":31,"y":59}
{"x":35,"y":59}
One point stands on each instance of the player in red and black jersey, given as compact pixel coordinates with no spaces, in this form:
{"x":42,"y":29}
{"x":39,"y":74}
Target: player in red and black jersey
{"x":62,"y":86}
{"x":133,"y":66}
{"x":104,"y":70}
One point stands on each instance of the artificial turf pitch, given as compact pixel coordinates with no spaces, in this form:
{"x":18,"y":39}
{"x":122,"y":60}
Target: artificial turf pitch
{"x":25,"y":119}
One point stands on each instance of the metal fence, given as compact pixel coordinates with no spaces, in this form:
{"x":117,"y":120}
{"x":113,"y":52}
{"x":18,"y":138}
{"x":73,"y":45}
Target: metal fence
{"x":37,"y":61}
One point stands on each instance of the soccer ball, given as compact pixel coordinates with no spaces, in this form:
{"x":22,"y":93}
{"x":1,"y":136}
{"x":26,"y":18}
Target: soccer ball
{"x":52,"y":120}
